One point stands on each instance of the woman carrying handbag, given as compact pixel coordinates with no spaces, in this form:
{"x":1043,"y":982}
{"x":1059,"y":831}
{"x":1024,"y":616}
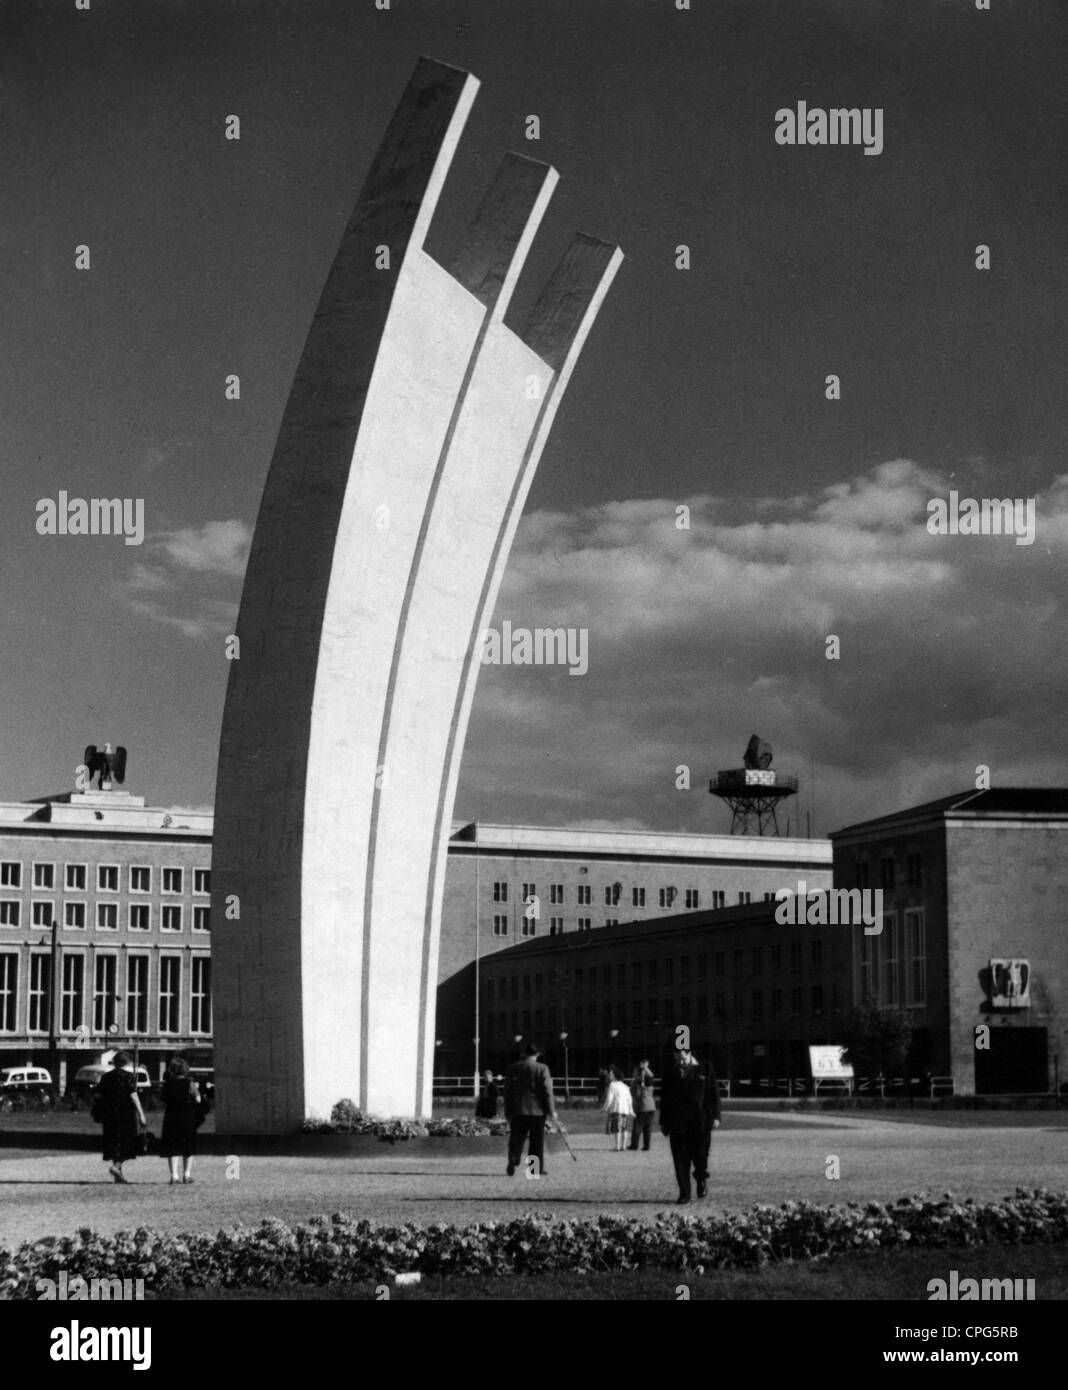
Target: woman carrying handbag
{"x":118,"y":1109}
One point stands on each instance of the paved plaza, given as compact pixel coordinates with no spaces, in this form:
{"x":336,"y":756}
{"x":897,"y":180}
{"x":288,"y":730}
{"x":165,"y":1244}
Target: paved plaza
{"x":755,"y":1158}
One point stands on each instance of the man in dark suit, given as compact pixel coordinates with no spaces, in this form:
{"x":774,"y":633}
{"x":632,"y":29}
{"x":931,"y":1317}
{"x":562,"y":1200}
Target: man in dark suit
{"x":689,"y":1111}
{"x":528,"y":1103}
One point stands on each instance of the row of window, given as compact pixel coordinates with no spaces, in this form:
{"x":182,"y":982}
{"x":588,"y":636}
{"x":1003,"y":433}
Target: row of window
{"x":528,"y":924}
{"x":640,"y":1013}
{"x":612,"y":892}
{"x":106,"y":1006}
{"x":138,"y":915}
{"x":76,"y":877}
{"x":893,"y":965}
{"x":888,"y":872}
{"x":636,"y":973}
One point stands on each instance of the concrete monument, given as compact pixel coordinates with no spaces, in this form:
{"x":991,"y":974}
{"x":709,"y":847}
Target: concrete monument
{"x":409,"y":442}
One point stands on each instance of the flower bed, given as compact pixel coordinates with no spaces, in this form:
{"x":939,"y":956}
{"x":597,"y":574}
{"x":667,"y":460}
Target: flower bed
{"x":341,"y":1249}
{"x":345,"y":1118}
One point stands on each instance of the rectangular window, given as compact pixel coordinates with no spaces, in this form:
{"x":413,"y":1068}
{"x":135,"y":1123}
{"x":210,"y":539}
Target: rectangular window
{"x":669,"y":970}
{"x":44,"y":876}
{"x":795,"y":1001}
{"x":43,"y":912}
{"x":776,"y":1003}
{"x":621,"y":975}
{"x":636,"y":1012}
{"x":107,"y":878}
{"x":606,"y":976}
{"x":137,"y":994}
{"x":817,"y":1000}
{"x":719,"y":1003}
{"x":636,"y":974}
{"x":10,"y":873}
{"x":702,"y":1008}
{"x":526,"y":986}
{"x":585,"y":923}
{"x":500,"y":925}
{"x":693,"y":898}
{"x":76,"y":878}
{"x":556,"y":926}
{"x":736,"y":1003}
{"x":869,"y":968}
{"x":886,"y":874}
{"x":611,"y":921}
{"x":795,"y":955}
{"x":915,"y":958}
{"x":745,"y":897}
{"x":817,"y":955}
{"x":200,"y":997}
{"x":914,"y":870}
{"x":105,"y":992}
{"x":139,"y":917}
{"x":666,"y":897}
{"x":653,"y":965}
{"x":585,"y":895}
{"x":172,"y":880}
{"x":719,"y":898}
{"x":758,"y":1005}
{"x":739,"y":956}
{"x":862,"y":874}
{"x":556,"y":893}
{"x":891,"y":995}
{"x":500,"y":892}
{"x":9,"y":991}
{"x":107,"y":916}
{"x":529,"y":891}
{"x":637,"y":897}
{"x":719,"y":962}
{"x":758,"y":960}
{"x":171,"y":919}
{"x":10,"y":912}
{"x":776,"y":959}
{"x":201,"y":880}
{"x":702,"y":967}
{"x":74,"y":916}
{"x":684,"y":968}
{"x":140,"y":878}
{"x":527,"y":926}
{"x":40,"y":993}
{"x":170,"y":979}
{"x":72,"y":998}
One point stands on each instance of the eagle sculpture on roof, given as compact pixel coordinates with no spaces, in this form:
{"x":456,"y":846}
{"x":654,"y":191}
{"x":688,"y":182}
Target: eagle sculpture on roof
{"x":107,"y":764}
{"x":758,"y":753}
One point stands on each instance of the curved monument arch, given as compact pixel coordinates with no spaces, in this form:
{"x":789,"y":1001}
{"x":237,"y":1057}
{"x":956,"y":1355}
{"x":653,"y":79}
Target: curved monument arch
{"x":409,"y":441}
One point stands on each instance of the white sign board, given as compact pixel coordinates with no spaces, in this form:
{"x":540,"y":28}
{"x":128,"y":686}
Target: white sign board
{"x":827,"y":1065}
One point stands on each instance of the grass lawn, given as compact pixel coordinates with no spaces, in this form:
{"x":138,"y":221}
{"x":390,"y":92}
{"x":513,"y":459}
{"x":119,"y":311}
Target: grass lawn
{"x":879,"y":1276}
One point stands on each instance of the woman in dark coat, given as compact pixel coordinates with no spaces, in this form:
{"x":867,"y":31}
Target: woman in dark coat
{"x":120,"y":1114}
{"x":486,"y":1109}
{"x":181,"y":1099}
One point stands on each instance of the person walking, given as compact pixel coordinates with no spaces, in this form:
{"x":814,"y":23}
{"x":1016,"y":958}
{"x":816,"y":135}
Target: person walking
{"x":181,"y":1116}
{"x":528,"y":1103}
{"x":486,"y":1107}
{"x":641,"y":1090}
{"x":619,"y":1109}
{"x":118,"y":1108}
{"x":689,"y":1111}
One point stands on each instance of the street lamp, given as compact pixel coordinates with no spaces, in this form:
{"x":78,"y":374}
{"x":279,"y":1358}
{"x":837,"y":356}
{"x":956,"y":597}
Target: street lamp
{"x":567,"y":1078}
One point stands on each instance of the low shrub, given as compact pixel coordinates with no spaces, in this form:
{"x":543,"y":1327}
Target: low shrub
{"x":342,"y":1249}
{"x":346,"y":1118}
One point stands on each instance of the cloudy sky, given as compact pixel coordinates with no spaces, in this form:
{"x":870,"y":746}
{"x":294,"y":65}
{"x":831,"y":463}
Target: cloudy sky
{"x":702,"y":388}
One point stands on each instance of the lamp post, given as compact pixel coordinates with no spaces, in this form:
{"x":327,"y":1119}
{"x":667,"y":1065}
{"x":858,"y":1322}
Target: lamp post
{"x":567,"y":1077}
{"x":53,"y":1055}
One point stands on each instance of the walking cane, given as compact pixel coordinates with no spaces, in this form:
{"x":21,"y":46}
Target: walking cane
{"x":563,"y":1135}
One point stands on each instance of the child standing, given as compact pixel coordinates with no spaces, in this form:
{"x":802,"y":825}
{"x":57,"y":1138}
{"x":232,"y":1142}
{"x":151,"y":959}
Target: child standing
{"x":619,"y":1108}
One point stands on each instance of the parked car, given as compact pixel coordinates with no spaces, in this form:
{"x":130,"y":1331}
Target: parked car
{"x":25,"y":1080}
{"x":87,"y":1079}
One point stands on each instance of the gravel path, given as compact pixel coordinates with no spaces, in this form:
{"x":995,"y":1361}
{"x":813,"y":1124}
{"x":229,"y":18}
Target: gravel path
{"x":55,"y":1194}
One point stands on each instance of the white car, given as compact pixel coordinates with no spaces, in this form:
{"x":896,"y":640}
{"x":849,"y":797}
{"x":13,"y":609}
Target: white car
{"x":87,"y":1079}
{"x":25,"y":1079}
